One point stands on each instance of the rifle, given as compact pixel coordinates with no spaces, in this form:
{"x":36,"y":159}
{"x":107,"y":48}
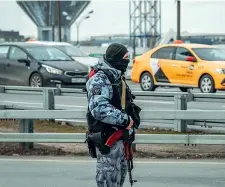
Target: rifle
{"x":129,"y":158}
{"x":124,"y":134}
{"x":127,"y":142}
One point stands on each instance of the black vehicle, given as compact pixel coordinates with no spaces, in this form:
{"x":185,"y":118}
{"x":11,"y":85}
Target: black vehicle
{"x":38,"y":65}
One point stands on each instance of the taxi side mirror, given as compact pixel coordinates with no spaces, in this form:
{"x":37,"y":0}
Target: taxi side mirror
{"x":191,"y":59}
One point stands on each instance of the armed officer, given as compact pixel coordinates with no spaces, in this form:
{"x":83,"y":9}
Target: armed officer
{"x":105,"y":115}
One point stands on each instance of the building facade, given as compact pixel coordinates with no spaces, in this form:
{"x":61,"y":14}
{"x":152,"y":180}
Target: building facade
{"x":11,"y":36}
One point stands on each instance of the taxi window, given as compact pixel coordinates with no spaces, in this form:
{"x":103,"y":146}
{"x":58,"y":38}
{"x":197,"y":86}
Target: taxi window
{"x":182,"y":53}
{"x":164,"y":53}
{"x":210,"y":54}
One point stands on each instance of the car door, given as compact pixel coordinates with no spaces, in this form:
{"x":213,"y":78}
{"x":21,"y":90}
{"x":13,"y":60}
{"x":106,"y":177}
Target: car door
{"x":3,"y":60}
{"x":161,"y":64}
{"x":17,"y":73}
{"x":184,"y":69}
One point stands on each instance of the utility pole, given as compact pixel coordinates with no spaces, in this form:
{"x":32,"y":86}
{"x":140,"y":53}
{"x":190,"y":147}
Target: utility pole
{"x":53,"y":32}
{"x":78,"y":26}
{"x":59,"y":20}
{"x":53,"y":20}
{"x":178,"y":20}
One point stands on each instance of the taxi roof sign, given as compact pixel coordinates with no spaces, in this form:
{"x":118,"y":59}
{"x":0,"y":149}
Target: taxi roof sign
{"x":31,"y":40}
{"x":178,"y":42}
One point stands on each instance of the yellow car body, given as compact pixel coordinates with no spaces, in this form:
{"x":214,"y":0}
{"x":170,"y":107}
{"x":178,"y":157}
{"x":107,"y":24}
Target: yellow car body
{"x":181,"y":65}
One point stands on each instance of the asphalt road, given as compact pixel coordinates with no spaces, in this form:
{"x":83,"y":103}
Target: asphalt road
{"x":67,"y":102}
{"x":74,"y":172}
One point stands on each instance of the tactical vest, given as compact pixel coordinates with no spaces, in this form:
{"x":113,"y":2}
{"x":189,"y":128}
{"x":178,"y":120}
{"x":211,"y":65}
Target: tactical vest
{"x":96,"y":125}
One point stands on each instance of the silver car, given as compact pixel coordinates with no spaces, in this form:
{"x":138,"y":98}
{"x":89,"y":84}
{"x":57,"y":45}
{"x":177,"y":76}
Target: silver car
{"x":73,"y":51}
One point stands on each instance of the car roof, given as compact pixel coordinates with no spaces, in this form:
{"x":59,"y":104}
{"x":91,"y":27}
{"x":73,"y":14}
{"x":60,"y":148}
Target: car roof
{"x":50,"y":43}
{"x":22,"y":44}
{"x":189,"y":45}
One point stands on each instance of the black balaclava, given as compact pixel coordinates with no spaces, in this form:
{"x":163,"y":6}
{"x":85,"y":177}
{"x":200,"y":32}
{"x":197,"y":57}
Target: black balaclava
{"x":114,"y":56}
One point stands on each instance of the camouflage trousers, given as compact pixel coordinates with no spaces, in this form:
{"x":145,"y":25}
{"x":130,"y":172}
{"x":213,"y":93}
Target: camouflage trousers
{"x":111,"y":168}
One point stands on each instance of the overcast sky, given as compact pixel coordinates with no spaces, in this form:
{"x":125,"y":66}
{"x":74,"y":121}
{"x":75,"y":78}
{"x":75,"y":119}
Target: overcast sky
{"x":112,"y":16}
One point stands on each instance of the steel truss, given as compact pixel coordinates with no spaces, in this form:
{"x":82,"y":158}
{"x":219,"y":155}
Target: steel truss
{"x":145,"y":23}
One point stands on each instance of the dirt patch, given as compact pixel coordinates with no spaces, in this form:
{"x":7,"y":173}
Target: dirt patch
{"x":142,"y":151}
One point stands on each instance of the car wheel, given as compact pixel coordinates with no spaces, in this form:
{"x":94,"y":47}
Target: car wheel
{"x":207,"y":84}
{"x":36,"y":80}
{"x":147,"y":82}
{"x":183,"y":89}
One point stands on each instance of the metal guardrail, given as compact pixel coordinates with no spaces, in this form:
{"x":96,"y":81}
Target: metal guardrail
{"x":139,"y":139}
{"x":140,"y":95}
{"x":75,"y":92}
{"x":40,"y":90}
{"x":180,"y":103}
{"x":27,"y":116}
{"x":178,"y":119}
{"x":144,"y":115}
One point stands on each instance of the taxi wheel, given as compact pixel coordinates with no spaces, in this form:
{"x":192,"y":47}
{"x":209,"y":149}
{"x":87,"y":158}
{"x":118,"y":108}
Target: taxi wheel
{"x":147,"y":82}
{"x":207,"y":84}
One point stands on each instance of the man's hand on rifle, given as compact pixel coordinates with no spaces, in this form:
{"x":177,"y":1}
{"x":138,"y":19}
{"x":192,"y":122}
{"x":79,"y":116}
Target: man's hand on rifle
{"x":130,"y":125}
{"x":129,"y":128}
{"x":134,"y":111}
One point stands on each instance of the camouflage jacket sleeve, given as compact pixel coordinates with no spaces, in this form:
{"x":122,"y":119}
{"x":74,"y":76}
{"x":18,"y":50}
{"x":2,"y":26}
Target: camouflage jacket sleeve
{"x":100,"y":92}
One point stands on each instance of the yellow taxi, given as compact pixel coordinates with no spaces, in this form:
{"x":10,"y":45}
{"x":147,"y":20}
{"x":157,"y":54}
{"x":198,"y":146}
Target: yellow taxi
{"x":181,"y":65}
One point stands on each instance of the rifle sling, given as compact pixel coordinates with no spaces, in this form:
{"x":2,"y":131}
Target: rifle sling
{"x":123,"y":99}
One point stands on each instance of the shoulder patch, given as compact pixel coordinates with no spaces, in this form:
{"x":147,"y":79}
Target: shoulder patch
{"x":96,"y":90}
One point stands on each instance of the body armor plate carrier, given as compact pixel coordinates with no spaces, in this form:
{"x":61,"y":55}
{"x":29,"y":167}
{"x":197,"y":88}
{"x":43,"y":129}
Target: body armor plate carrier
{"x":99,"y":132}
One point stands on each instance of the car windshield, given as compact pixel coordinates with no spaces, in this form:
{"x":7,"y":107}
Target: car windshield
{"x":72,"y":50}
{"x":47,"y":53}
{"x":210,"y":54}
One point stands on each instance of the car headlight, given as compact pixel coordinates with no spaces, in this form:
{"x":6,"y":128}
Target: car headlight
{"x":52,"y":70}
{"x":220,"y":71}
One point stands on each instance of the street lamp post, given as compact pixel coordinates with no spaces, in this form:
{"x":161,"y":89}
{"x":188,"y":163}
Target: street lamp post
{"x":178,"y":20}
{"x":53,"y":20}
{"x":78,"y":27}
{"x":79,"y":22}
{"x":59,"y":20}
{"x":68,"y":18}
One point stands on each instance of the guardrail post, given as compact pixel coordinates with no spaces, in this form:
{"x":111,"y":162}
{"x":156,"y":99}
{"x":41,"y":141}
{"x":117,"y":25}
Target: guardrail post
{"x":2,"y":89}
{"x":190,"y":98}
{"x":26,"y":126}
{"x":134,"y":147}
{"x":180,"y":102}
{"x":57,"y":91}
{"x":49,"y":100}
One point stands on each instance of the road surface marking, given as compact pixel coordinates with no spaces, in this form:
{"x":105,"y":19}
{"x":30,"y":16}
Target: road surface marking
{"x":93,"y":161}
{"x":72,"y":96}
{"x":161,"y":102}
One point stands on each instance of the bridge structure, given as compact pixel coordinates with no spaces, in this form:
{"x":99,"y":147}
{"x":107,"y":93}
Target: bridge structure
{"x":53,"y":18}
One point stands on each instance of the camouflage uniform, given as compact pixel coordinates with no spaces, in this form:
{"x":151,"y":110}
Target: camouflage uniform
{"x":112,"y":167}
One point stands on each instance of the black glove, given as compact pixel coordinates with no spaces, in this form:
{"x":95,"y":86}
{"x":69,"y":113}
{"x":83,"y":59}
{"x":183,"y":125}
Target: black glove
{"x":134,"y":111}
{"x":133,"y":96}
{"x":126,"y":122}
